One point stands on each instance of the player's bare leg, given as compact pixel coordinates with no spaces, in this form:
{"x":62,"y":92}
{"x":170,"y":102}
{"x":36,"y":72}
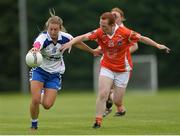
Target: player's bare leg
{"x":42,"y":95}
{"x":36,"y":87}
{"x":105,"y":84}
{"x":109,"y":104}
{"x":49,"y":98}
{"x":118,"y":100}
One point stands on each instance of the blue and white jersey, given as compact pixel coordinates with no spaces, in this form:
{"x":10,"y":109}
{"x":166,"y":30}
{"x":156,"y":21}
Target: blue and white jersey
{"x":52,"y":57}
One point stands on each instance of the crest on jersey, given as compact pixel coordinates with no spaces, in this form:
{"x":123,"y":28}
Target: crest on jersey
{"x":110,"y":43}
{"x":119,"y":43}
{"x":54,"y":50}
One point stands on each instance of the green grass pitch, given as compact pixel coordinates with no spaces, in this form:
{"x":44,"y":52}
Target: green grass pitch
{"x":73,"y":114}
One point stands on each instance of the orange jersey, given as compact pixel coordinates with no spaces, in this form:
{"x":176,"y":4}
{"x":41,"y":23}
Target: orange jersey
{"x":115,"y":48}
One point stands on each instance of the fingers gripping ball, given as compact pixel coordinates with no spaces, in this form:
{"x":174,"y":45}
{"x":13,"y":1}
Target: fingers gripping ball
{"x":34,"y":59}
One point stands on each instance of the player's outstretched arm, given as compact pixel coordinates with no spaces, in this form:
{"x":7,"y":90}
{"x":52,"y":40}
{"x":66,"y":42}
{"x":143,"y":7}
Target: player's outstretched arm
{"x":83,"y":46}
{"x":74,"y":41}
{"x":148,"y":41}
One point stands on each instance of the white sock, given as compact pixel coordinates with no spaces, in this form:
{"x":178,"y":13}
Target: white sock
{"x":34,"y":120}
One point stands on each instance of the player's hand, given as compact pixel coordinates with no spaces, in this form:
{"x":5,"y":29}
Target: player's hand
{"x":97,"y":52}
{"x":163,"y":47}
{"x":65,"y":47}
{"x":34,"y":49}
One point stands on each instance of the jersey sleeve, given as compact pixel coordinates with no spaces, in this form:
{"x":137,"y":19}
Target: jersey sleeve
{"x":134,"y":37}
{"x":93,"y":35}
{"x":67,"y":35}
{"x":131,"y":35}
{"x":39,"y":41}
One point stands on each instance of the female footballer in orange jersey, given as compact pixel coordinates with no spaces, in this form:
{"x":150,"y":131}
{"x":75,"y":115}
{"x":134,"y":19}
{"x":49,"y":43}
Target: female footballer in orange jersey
{"x":116,"y":62}
{"x":119,"y":19}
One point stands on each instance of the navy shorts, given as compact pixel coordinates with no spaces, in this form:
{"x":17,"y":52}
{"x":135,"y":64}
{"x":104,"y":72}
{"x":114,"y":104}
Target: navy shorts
{"x":52,"y":81}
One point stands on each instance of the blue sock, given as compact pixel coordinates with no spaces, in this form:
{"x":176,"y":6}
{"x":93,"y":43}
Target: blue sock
{"x":34,"y":123}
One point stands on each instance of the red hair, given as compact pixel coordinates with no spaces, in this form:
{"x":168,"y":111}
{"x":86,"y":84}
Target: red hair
{"x":109,"y":16}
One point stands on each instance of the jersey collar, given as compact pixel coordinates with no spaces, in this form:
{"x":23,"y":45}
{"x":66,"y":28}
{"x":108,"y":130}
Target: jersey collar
{"x":59,"y":36}
{"x":116,"y":27}
{"x":49,"y":37}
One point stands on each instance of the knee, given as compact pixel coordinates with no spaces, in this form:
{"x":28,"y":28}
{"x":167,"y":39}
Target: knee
{"x":36,"y":101}
{"x":47,"y":106}
{"x":103,"y":95}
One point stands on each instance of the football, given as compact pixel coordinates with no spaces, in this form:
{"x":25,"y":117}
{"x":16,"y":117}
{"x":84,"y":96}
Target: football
{"x":34,"y":59}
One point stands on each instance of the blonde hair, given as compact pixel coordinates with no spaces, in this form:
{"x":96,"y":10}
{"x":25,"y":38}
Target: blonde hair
{"x":116,"y":9}
{"x":54,"y":20}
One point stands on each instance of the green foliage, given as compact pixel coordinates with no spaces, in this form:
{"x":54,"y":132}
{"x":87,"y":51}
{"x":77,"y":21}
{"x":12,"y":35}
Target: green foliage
{"x":157,"y":19}
{"x":9,"y":53}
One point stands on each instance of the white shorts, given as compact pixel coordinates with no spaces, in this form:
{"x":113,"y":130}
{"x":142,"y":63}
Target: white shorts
{"x":120,"y":79}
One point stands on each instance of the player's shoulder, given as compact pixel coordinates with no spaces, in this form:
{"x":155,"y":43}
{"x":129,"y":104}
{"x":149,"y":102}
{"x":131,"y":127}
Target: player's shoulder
{"x":123,"y":30}
{"x":64,"y":34}
{"x":98,"y":32}
{"x":42,"y":35}
{"x":64,"y":37}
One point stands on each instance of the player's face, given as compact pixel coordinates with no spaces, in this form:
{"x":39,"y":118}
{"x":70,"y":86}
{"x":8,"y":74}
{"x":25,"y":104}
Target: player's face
{"x":104,"y":24}
{"x":118,"y":17}
{"x":53,"y":30}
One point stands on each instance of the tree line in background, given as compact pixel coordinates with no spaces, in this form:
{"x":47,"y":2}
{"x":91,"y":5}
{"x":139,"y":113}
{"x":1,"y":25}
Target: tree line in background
{"x":157,"y":19}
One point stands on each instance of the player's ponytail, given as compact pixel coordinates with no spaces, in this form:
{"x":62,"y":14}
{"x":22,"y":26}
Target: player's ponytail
{"x":55,"y":20}
{"x":52,"y":12}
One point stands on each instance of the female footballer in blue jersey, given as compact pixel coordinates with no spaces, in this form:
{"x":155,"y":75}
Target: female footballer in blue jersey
{"x":47,"y":76}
